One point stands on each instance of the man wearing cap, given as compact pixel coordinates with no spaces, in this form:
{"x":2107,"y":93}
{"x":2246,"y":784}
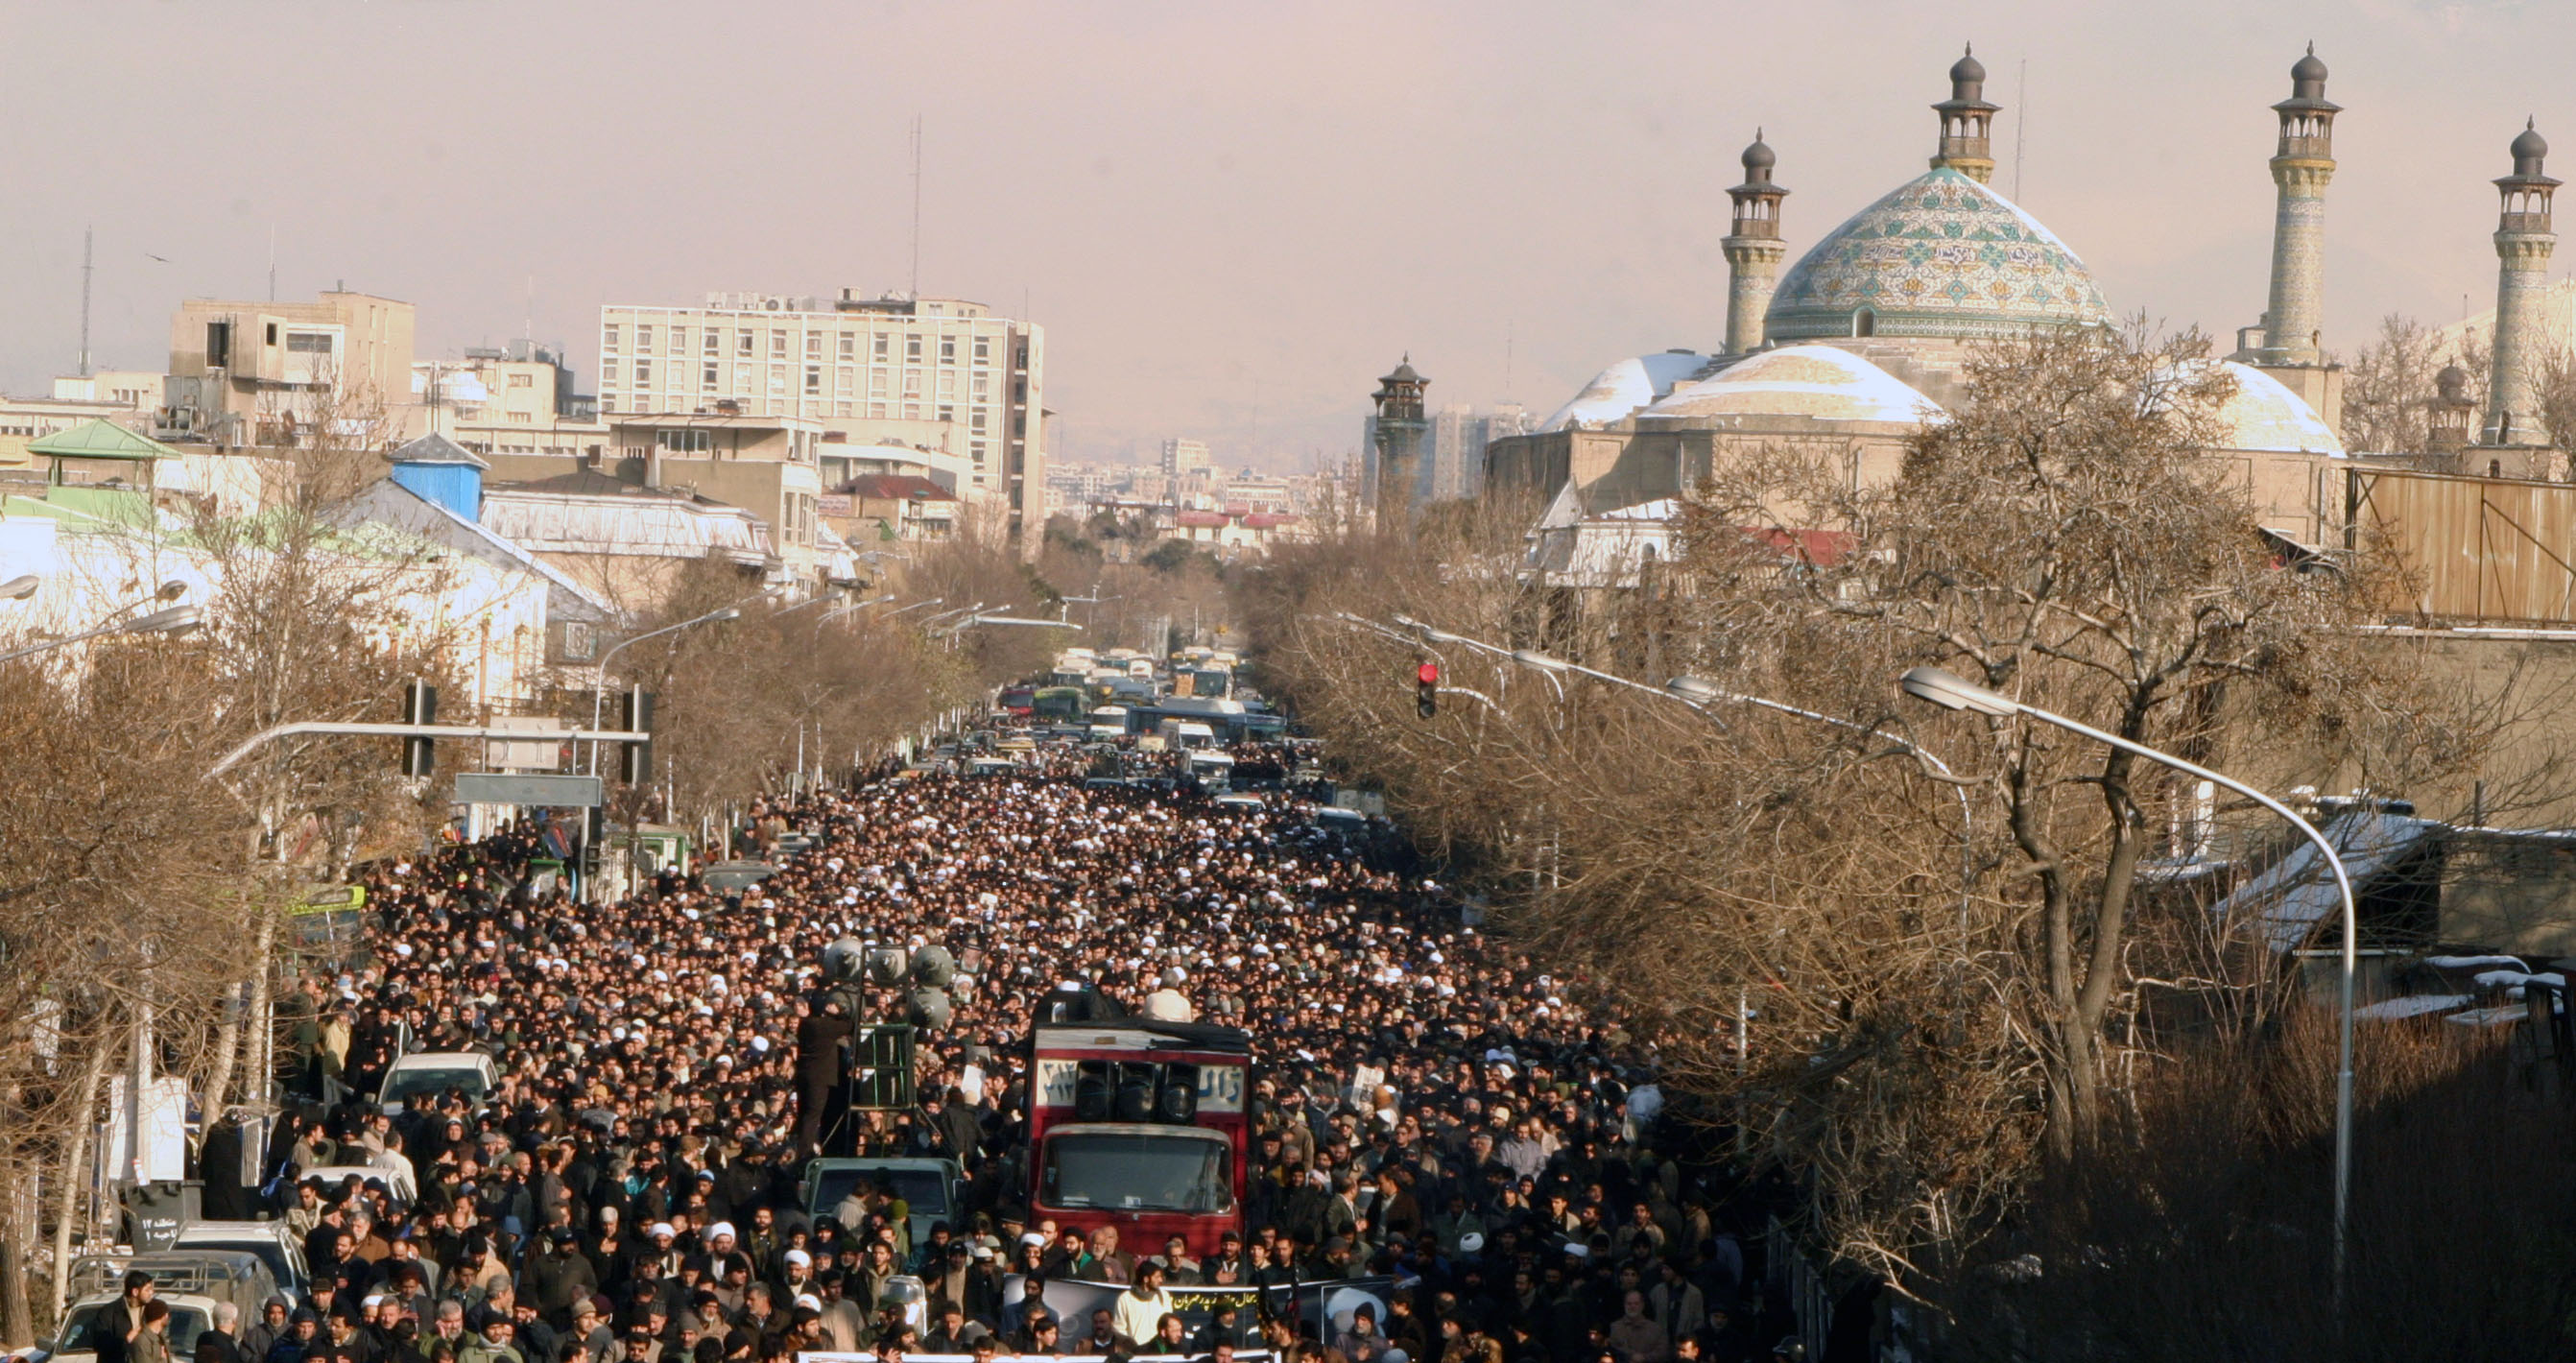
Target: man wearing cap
{"x":557,"y":1277}
{"x":493,"y":1344}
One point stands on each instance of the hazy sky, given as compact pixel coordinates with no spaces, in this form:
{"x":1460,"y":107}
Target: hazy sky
{"x":1230,"y":217}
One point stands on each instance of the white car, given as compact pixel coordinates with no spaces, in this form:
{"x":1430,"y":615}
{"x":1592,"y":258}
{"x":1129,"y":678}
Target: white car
{"x":434,"y":1073}
{"x":397,"y":1182}
{"x":76,"y":1339}
{"x":269,"y":1241}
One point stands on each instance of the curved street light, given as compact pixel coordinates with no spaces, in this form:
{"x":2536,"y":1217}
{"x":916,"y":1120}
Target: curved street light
{"x":1953,"y":692}
{"x":175,"y":620}
{"x":599,"y":687}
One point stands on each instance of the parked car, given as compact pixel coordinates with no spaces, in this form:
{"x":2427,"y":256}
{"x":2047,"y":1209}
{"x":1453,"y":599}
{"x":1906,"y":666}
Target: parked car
{"x":270,"y":1241}
{"x":434,"y":1073}
{"x":927,"y":1186}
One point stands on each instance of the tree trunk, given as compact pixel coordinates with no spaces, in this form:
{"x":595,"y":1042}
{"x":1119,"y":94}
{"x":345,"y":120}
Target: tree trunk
{"x":17,"y":1234}
{"x":230,"y":1036}
{"x":71,"y":1207}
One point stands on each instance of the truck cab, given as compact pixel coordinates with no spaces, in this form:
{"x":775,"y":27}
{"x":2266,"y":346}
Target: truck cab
{"x":1139,"y":1123}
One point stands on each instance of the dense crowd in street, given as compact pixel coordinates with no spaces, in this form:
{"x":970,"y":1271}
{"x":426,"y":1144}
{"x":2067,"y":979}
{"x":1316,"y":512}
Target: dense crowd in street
{"x":1427,"y":1105}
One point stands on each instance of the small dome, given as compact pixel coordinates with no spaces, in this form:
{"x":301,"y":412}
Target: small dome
{"x":1818,"y":382}
{"x":1625,"y":387}
{"x":1968,"y":70}
{"x":2264,"y":415}
{"x":1940,"y":256}
{"x":2308,"y":68}
{"x":2530,"y":146}
{"x":1759,"y":156}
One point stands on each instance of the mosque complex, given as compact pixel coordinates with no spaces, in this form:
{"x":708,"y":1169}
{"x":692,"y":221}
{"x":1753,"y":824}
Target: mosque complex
{"x":1867,"y":336}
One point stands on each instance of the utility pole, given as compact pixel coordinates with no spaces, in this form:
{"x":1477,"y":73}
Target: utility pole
{"x":916,"y":208}
{"x":87,"y":264}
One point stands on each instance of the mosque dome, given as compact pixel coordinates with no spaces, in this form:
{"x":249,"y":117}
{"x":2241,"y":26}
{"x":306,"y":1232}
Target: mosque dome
{"x":1943,"y":256}
{"x":1625,"y":387}
{"x":1817,"y":382}
{"x":2308,"y":67}
{"x":1759,"y":156}
{"x":2263,"y":414}
{"x":2530,"y":145}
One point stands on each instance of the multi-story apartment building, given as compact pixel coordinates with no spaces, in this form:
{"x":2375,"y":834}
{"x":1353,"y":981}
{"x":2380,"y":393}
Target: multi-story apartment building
{"x":846,"y":363}
{"x":254,"y":373}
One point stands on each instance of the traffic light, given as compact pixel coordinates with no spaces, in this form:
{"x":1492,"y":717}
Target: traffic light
{"x":635,"y":760}
{"x":1426,"y":690}
{"x":419,"y":706}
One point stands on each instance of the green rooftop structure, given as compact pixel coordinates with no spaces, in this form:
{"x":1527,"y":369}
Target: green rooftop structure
{"x":103,"y":440}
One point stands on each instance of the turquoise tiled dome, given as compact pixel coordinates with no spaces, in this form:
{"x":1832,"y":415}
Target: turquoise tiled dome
{"x":1943,"y":256}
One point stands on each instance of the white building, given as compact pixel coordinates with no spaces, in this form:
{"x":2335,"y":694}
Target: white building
{"x":1182,"y":457}
{"x":846,"y":363}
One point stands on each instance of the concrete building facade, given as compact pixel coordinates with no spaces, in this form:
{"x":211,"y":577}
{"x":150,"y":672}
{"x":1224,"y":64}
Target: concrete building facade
{"x":843,"y":363}
{"x":254,"y":373}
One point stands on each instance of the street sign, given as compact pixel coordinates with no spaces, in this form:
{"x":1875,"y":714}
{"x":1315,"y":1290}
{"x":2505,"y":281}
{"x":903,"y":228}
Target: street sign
{"x":547,"y":792}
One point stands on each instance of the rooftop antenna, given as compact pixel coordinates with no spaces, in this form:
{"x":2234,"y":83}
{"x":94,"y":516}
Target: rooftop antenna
{"x":87,"y":264}
{"x":2021,"y":119}
{"x":272,"y":262}
{"x":528,"y":323}
{"x":1508,"y":325}
{"x":916,"y":208}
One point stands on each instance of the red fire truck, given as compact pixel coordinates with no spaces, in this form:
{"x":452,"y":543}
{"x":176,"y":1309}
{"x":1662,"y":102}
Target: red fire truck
{"x":1139,"y":1123}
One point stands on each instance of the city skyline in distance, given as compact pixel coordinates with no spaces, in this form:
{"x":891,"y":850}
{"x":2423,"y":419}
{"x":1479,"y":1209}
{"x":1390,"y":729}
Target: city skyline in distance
{"x":1230,"y":223}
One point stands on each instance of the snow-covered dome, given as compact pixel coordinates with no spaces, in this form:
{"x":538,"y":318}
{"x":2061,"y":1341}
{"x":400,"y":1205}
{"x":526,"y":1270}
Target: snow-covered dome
{"x":2264,"y":414}
{"x":1625,"y":387}
{"x":1943,"y":256}
{"x":1819,"y":382}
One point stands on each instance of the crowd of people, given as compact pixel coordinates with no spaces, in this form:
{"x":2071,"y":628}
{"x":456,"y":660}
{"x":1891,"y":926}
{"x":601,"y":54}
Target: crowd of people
{"x":1429,"y":1107}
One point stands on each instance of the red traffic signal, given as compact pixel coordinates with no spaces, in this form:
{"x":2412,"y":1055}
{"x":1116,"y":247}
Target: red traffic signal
{"x":1428,"y":674}
{"x":1426,"y":690}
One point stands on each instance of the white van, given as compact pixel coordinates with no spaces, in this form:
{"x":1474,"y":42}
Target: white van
{"x":1109,"y":723}
{"x":1185,"y":734}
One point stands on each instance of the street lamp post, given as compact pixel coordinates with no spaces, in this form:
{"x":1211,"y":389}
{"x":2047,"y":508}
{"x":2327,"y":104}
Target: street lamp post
{"x":175,"y":620}
{"x":1953,"y":692}
{"x":599,"y":688}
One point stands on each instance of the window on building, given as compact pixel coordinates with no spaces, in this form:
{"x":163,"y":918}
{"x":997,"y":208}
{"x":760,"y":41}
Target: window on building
{"x":976,"y":448}
{"x":983,"y":349}
{"x":523,"y":380}
{"x":876,"y":411}
{"x":707,"y":379}
{"x":881,"y":339}
{"x":219,"y":346}
{"x":608,"y":340}
{"x":947,"y":413}
{"x":679,"y":341}
{"x":847,"y":380}
{"x":713,"y":344}
{"x":840,"y":409}
{"x":975,"y":420}
{"x":876,"y":383}
{"x":912,"y":411}
{"x":947,"y":383}
{"x":308,"y":343}
{"x":813,"y":345}
{"x":608,"y":373}
{"x":643,"y":340}
{"x":849,"y":347}
{"x":912,"y":383}
{"x":777,"y":380}
{"x":912,"y":346}
{"x":948,"y":350}
{"x":689,"y":440}
{"x":813,"y":378}
{"x":272,"y":334}
{"x":643,"y":373}
{"x":983,"y":388}
{"x":778,"y":343}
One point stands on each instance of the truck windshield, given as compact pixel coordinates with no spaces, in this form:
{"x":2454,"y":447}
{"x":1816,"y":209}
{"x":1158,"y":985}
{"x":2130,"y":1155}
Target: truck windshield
{"x":1137,"y":1172}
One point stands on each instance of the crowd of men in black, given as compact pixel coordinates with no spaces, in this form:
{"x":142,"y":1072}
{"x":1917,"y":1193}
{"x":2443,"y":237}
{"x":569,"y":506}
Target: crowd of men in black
{"x":1429,"y":1105}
